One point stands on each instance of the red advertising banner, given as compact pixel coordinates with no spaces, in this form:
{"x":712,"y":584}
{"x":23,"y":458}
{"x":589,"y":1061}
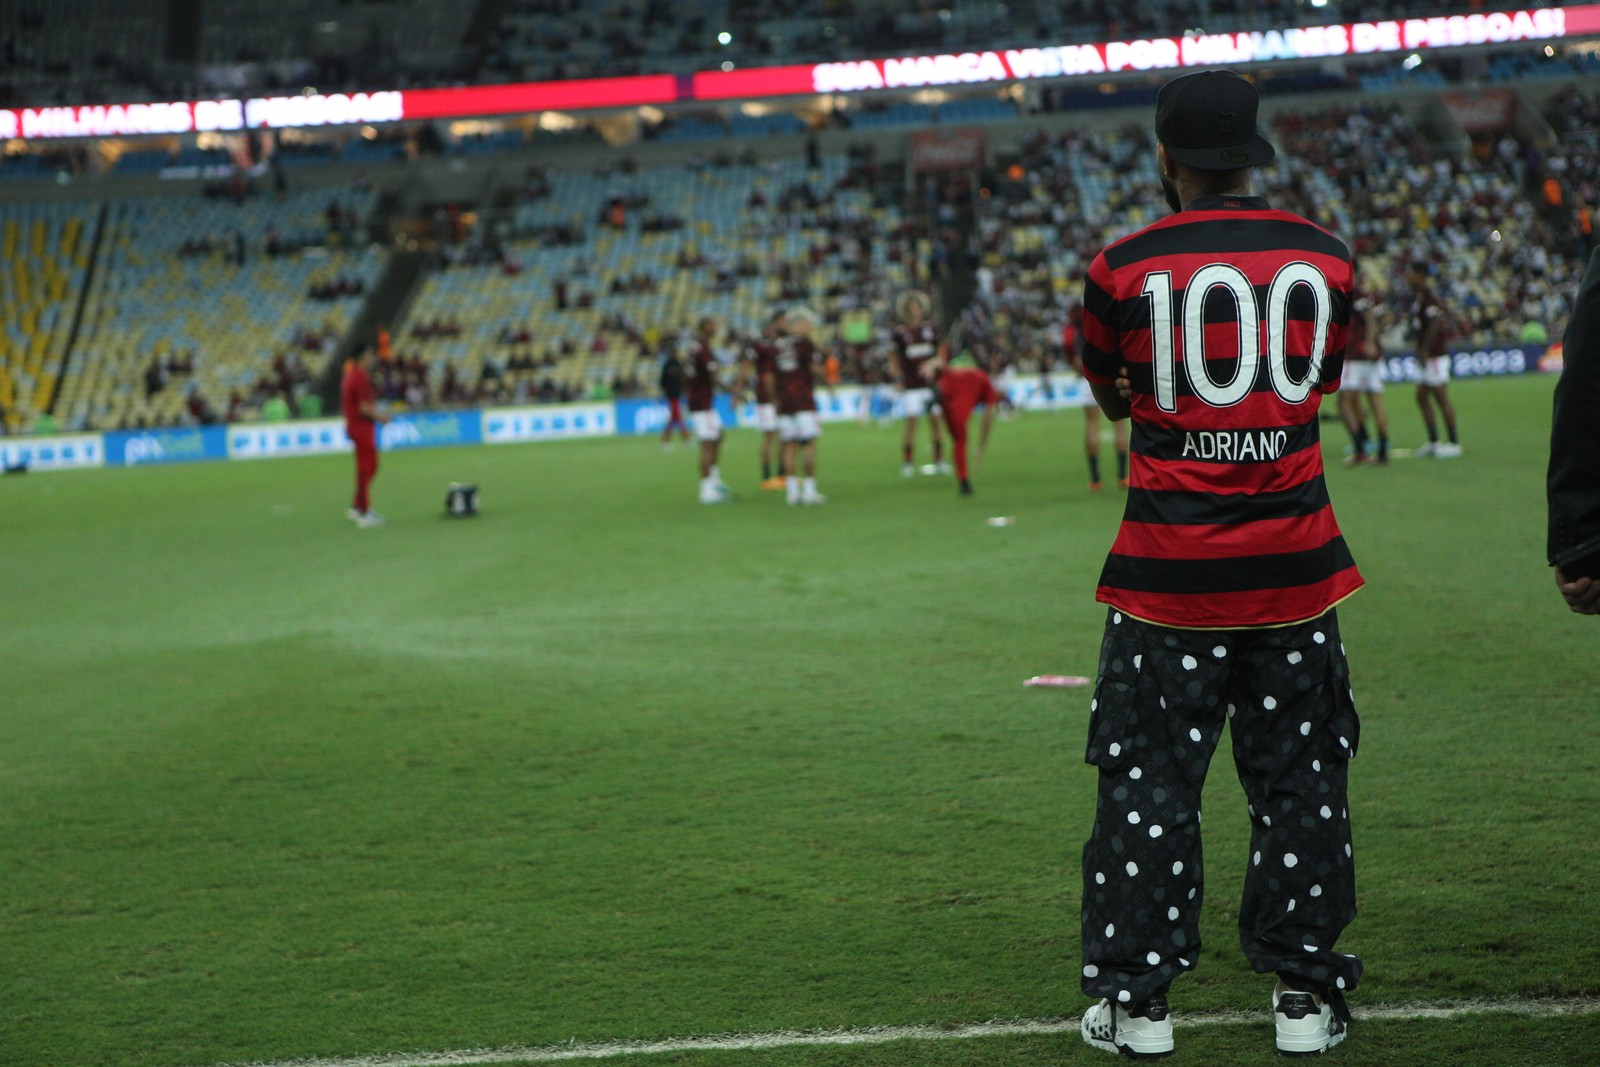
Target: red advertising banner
{"x":938,"y":151}
{"x":754,"y":82}
{"x":582,"y":95}
{"x":1487,"y":111}
{"x":966,"y":68}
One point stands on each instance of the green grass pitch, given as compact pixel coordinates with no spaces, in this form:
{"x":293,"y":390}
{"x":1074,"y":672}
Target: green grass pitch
{"x":602,"y":763}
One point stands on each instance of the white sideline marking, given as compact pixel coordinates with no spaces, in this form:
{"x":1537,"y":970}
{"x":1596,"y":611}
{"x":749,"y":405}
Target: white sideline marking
{"x":877,"y":1035}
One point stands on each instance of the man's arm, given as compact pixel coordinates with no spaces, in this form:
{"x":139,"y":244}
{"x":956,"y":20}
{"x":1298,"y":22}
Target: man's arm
{"x":1115,"y":400}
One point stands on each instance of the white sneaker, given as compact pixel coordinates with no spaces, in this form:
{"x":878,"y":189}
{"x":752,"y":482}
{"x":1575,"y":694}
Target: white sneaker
{"x":1305,"y":1027}
{"x":1113,"y":1028}
{"x":943,"y":468}
{"x":1446,"y":450}
{"x":908,"y":471}
{"x":369,"y":520}
{"x":1425,"y":451}
{"x":712,"y":496}
{"x":353,"y":514}
{"x":813,"y":497}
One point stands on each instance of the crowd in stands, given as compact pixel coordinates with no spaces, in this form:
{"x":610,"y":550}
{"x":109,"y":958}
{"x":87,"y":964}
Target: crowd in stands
{"x":337,"y":288}
{"x":188,"y":319}
{"x":574,"y":293}
{"x":1505,"y":225}
{"x":620,"y":285}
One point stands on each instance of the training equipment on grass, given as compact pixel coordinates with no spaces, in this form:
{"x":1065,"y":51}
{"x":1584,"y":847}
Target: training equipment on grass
{"x":461,"y":500}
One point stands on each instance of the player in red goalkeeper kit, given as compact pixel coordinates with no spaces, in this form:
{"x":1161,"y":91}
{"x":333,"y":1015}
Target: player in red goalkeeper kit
{"x":962,"y":388}
{"x":361,"y":422}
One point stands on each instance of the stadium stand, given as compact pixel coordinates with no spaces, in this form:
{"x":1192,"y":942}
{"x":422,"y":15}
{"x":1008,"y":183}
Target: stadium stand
{"x":1507,"y":254}
{"x":45,"y":252}
{"x":193,"y":302}
{"x":595,"y":275}
{"x":163,"y":308}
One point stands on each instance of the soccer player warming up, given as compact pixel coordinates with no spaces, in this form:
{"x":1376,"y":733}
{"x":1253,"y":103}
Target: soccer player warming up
{"x":671,"y":381}
{"x":1218,"y":330}
{"x":796,"y":366}
{"x":757,"y":374}
{"x":361,"y":421}
{"x":915,"y":359}
{"x":1430,"y":326}
{"x":700,"y":387}
{"x":1363,"y":377}
{"x":962,"y":387}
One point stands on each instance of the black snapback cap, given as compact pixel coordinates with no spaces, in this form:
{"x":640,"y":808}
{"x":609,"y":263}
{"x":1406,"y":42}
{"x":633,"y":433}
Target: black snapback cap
{"x":1208,"y":121}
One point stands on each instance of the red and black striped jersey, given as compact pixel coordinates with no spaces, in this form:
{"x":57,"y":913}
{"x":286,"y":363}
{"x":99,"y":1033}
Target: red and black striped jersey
{"x":796,"y":361}
{"x":915,"y":345}
{"x":1231,"y":319}
{"x":763,"y":356}
{"x":702,"y":380}
{"x":1431,"y":324}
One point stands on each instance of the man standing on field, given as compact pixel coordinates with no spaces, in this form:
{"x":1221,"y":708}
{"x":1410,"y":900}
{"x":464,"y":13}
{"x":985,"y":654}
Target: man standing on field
{"x":701,"y":389}
{"x":795,"y":369}
{"x":361,"y":421}
{"x":1430,"y":326}
{"x":1363,"y":377}
{"x":757,"y":375}
{"x":1218,"y":330}
{"x":918,"y":355}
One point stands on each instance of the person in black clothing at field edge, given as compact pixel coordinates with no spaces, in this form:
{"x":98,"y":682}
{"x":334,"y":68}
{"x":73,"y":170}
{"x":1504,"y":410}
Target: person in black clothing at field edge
{"x":1574,"y":476}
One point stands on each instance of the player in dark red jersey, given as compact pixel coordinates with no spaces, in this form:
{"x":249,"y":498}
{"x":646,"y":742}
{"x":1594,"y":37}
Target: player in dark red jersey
{"x":361,"y":422}
{"x":915,"y":360}
{"x":796,"y":366}
{"x":963,"y":387}
{"x":1218,"y":330}
{"x":756,"y":374}
{"x":671,"y":381}
{"x":1431,"y":328}
{"x":1072,"y":344}
{"x":1363,"y":377}
{"x":700,"y":389}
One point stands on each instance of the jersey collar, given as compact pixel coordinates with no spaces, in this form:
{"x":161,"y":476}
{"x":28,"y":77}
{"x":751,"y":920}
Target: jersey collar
{"x":1227,"y":202}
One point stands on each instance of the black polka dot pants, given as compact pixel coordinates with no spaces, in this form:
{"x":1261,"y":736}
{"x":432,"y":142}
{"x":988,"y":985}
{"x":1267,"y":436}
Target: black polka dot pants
{"x":1159,"y":706}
